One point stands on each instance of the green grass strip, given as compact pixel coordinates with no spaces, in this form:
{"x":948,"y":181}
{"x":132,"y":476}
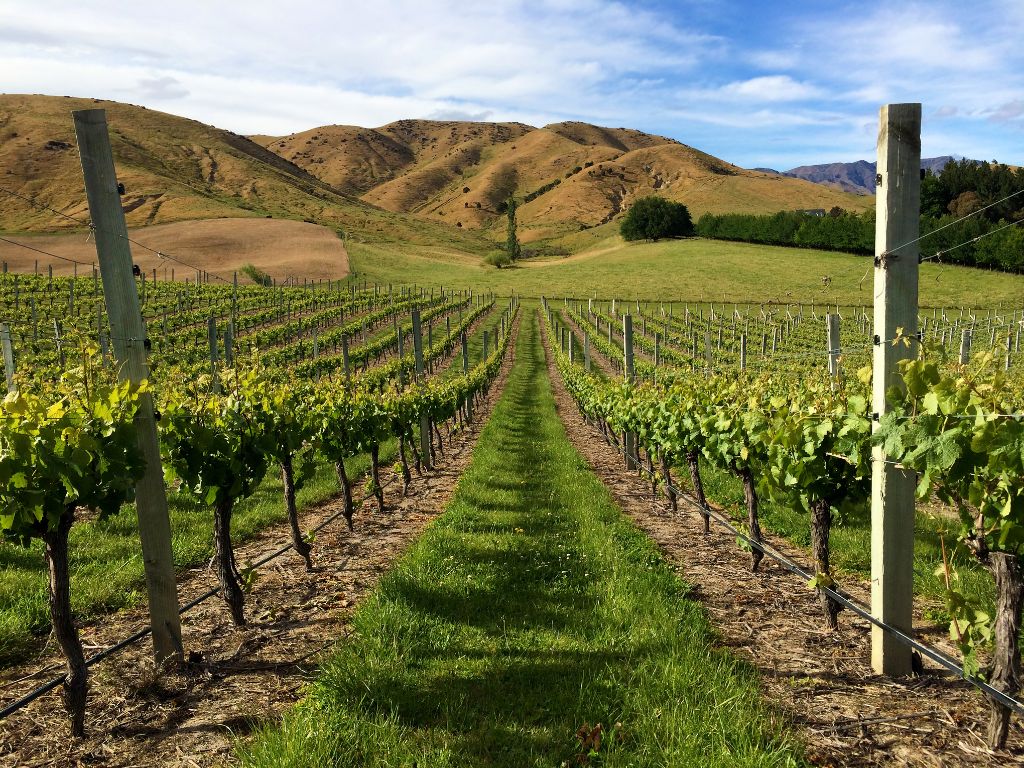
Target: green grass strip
{"x":530,"y":608}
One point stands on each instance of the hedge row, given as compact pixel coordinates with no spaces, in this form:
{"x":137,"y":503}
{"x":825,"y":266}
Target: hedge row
{"x":853,"y":233}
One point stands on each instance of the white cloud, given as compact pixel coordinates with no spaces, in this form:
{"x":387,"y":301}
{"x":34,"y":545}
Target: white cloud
{"x":524,"y":57}
{"x":771,"y":88}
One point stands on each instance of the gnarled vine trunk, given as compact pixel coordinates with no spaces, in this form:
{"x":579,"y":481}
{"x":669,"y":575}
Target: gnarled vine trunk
{"x":64,"y":630}
{"x":750,"y":493}
{"x":670,"y":490}
{"x":653,"y":476}
{"x":417,"y":462}
{"x":288,"y":480}
{"x":406,"y":474}
{"x":378,"y":491}
{"x":821,"y":524}
{"x":698,"y":488}
{"x":1006,"y":666}
{"x":346,"y":490}
{"x":224,"y":557}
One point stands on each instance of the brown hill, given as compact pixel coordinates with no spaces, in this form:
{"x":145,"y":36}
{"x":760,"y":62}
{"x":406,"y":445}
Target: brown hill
{"x":419,"y":181}
{"x":571,"y":175}
{"x":176,"y":169}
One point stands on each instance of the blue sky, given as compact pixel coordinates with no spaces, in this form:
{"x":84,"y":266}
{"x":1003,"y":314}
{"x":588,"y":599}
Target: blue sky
{"x":773,"y":84}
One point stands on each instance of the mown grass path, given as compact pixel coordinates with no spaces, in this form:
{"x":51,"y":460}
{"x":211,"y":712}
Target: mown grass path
{"x":531,"y":608}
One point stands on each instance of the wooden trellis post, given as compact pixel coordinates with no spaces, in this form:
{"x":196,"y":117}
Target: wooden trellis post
{"x":129,"y":336}
{"x":897,"y":226}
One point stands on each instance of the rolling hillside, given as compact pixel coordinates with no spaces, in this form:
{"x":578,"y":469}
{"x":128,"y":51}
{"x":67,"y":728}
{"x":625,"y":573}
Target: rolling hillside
{"x":573,"y":175}
{"x":175,"y":169}
{"x":419,"y":181}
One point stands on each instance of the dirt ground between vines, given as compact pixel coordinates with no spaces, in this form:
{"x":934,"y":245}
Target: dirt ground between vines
{"x":846,"y":715}
{"x":236,"y":679}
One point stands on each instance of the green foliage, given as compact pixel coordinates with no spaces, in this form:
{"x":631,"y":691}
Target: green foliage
{"x":961,"y":431}
{"x":258,"y":276}
{"x":842,"y":232}
{"x":654,"y":218}
{"x":530,"y":607}
{"x":218,"y":445}
{"x":512,"y":248}
{"x":499,"y":259}
{"x":75,"y":448}
{"x":962,"y":188}
{"x":965,"y":186}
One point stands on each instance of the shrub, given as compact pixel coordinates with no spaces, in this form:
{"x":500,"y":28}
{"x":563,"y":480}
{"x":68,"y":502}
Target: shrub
{"x":652,"y":218}
{"x":258,"y":276}
{"x":498,"y":259}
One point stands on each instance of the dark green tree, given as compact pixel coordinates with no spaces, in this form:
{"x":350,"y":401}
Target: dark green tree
{"x":652,"y":218}
{"x":512,"y":247}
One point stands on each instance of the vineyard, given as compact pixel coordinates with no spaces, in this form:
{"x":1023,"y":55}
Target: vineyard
{"x":792,"y":424}
{"x":247,"y":379}
{"x":457,"y":527}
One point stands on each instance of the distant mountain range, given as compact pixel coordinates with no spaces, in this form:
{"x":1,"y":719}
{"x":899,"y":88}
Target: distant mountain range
{"x":858,"y":177}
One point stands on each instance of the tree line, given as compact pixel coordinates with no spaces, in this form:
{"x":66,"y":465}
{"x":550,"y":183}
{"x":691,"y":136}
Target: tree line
{"x":964,"y":187}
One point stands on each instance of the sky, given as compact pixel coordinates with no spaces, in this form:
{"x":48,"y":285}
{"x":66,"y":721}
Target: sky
{"x":759,"y":84}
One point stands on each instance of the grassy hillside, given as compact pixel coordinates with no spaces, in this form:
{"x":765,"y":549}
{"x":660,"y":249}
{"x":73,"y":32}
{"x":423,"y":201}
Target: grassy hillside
{"x":175,"y":169}
{"x":691,"y":270}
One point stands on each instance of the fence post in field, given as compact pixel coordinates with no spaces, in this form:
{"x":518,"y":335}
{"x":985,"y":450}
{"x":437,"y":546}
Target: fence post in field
{"x":344,"y":356}
{"x":129,"y":335}
{"x":897,"y":226}
{"x":417,"y":347}
{"x":743,"y":351}
{"x":627,"y":357}
{"x":211,"y":334}
{"x":229,"y":345}
{"x":465,"y":371}
{"x":965,"y":346}
{"x":586,"y":351}
{"x":832,"y":338}
{"x":8,"y":352}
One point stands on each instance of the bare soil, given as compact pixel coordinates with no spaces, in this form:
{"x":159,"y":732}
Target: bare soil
{"x":236,"y":679}
{"x":822,"y":680}
{"x":282,"y":248}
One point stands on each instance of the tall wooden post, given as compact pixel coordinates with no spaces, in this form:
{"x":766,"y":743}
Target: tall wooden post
{"x":129,"y":335}
{"x":897,"y":222}
{"x":211,"y":335}
{"x":8,"y":353}
{"x":965,"y":346}
{"x":465,"y":371}
{"x":417,"y":347}
{"x":627,"y":357}
{"x":832,"y":338}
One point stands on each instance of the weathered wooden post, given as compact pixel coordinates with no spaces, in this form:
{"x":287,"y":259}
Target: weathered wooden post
{"x":832,"y":340}
{"x":417,"y":347}
{"x":965,"y":346}
{"x":895,"y":289}
{"x":122,"y":302}
{"x":8,"y":353}
{"x":627,"y":356}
